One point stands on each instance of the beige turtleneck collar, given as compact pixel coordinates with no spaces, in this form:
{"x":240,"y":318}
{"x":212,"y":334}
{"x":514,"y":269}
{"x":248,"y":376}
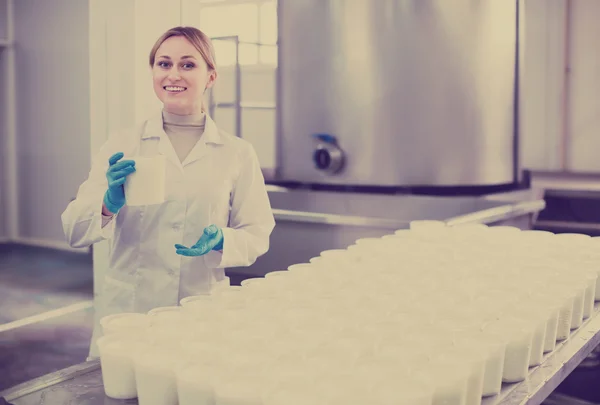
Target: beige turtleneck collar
{"x":184,"y":131}
{"x":193,"y":120}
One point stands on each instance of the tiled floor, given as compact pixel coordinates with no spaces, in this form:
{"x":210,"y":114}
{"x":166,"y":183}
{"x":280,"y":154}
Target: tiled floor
{"x":35,"y":350}
{"x":34,"y":281}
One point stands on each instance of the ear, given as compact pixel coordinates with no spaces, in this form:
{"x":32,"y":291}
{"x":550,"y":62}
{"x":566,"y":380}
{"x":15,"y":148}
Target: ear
{"x":212,"y":76}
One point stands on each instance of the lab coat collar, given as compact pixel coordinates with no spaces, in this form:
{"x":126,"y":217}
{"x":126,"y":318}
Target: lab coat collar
{"x":154,"y":129}
{"x":211,"y":132}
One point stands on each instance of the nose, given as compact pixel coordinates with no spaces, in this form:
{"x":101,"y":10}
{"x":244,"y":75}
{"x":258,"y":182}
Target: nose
{"x":174,"y":75}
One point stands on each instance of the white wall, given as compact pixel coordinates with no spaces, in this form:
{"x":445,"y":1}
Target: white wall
{"x":8,"y":223}
{"x":556,"y":138}
{"x":4,"y":11}
{"x":4,"y":158}
{"x":542,"y":84}
{"x":52,"y":114}
{"x":584,"y":108}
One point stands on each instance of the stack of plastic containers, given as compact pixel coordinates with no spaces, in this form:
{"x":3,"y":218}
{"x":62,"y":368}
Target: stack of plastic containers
{"x":426,"y":316}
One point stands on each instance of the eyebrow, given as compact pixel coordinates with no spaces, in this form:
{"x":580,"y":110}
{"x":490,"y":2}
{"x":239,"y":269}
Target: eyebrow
{"x":183,"y":57}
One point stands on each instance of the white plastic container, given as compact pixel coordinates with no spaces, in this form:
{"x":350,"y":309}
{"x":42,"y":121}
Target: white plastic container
{"x":125,"y":322}
{"x":296,"y":372}
{"x":537,"y":317}
{"x":199,"y":307}
{"x":578,"y":306}
{"x":172,"y":317}
{"x":518,"y":350}
{"x":370,"y":326}
{"x":564,"y":322}
{"x":366,"y":242}
{"x":566,"y":299}
{"x":516,"y":362}
{"x":336,"y":392}
{"x":309,"y":268}
{"x":251,"y":281}
{"x":590,"y":293}
{"x":231,"y":293}
{"x":572,"y":237}
{"x":426,"y":225}
{"x":235,"y":389}
{"x":117,"y":352}
{"x":470,"y":228}
{"x":495,"y":349}
{"x":160,"y":311}
{"x":597,"y":295}
{"x":195,"y":384}
{"x":551,"y":325}
{"x":155,"y":375}
{"x":290,"y":394}
{"x":504,"y":230}
{"x":405,"y":391}
{"x":277,"y":273}
{"x":370,"y":370}
{"x":538,"y":343}
{"x":317,"y":260}
{"x":475,"y":358}
{"x":537,"y":235}
{"x":450,"y":382}
{"x":147,"y":185}
{"x":193,"y":298}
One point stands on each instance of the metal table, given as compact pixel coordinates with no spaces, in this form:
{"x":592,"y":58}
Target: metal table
{"x":82,"y":384}
{"x":557,"y":366}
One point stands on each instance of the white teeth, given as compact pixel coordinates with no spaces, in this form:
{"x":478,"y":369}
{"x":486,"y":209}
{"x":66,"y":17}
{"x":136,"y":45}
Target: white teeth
{"x":173,"y":88}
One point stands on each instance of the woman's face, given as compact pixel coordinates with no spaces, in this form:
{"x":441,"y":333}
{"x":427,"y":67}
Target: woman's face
{"x":180,"y":76}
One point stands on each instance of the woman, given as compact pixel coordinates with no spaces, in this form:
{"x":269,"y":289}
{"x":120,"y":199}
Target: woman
{"x":216,"y":213}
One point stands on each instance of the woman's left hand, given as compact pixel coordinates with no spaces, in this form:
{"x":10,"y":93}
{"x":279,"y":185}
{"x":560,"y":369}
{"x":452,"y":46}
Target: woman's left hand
{"x":211,"y":239}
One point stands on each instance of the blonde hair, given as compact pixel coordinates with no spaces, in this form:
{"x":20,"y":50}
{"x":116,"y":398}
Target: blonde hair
{"x":197,"y":38}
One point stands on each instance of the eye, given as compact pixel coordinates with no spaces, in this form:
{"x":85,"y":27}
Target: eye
{"x":188,"y":65}
{"x":162,"y":63}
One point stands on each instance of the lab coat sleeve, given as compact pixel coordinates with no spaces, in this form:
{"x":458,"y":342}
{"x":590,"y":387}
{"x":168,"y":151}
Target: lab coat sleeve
{"x":82,"y":220}
{"x":251,"y":219}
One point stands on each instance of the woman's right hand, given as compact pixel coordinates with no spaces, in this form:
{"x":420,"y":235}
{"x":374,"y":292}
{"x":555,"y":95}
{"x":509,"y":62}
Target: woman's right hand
{"x":114,"y":198}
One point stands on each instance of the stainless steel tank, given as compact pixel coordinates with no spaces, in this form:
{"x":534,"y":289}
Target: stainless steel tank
{"x":397,"y":92}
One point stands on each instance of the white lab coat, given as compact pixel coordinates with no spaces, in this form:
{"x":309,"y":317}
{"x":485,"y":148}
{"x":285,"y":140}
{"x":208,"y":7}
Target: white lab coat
{"x":220,"y":182}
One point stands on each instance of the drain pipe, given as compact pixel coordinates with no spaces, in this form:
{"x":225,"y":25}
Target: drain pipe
{"x":566,"y":92}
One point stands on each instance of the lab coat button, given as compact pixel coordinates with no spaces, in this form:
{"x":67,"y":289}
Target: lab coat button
{"x":177,"y":226}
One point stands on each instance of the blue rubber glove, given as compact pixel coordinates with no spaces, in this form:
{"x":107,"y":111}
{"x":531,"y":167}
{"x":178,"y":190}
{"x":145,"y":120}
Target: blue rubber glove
{"x":114,"y":198}
{"x":211,"y":239}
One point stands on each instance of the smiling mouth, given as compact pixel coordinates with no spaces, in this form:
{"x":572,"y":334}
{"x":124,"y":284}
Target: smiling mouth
{"x":174,"y":89}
